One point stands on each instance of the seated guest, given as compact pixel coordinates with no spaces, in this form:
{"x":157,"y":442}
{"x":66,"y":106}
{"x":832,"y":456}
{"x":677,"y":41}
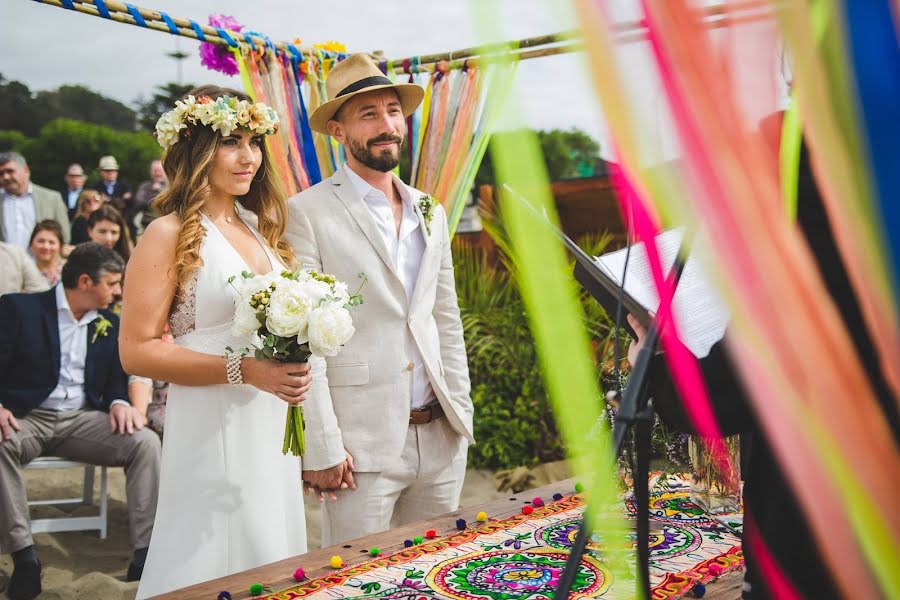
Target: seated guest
{"x":46,"y":247}
{"x":18,"y":273}
{"x":107,"y":227}
{"x":146,"y":193}
{"x":75,"y":179}
{"x":63,"y":394}
{"x":23,"y":204}
{"x":88,"y":202}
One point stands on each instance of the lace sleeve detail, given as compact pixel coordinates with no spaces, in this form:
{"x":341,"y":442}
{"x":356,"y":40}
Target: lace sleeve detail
{"x":183,"y":318}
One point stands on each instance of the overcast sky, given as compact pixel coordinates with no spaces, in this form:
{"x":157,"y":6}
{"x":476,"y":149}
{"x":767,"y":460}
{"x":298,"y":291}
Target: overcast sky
{"x":44,"y":46}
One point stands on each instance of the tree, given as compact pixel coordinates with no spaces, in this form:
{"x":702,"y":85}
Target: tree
{"x":28,"y":112}
{"x":18,"y":109}
{"x":163,"y":100}
{"x":567,"y":154}
{"x":82,"y":104}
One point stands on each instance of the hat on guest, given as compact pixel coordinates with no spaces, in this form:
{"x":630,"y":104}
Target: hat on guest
{"x":108,"y":163}
{"x":358,"y":74}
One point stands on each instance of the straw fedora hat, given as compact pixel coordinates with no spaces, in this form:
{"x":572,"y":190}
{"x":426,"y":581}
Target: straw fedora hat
{"x":108,"y":163}
{"x":358,"y":74}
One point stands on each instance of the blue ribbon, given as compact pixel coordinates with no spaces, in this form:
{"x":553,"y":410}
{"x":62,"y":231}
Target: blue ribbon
{"x":249,"y":39}
{"x":198,"y":30}
{"x":296,"y":56}
{"x":66,"y":4}
{"x":875,"y":57}
{"x":136,"y":15}
{"x":173,"y":28}
{"x":101,"y":8}
{"x":310,"y":161}
{"x":226,"y":36}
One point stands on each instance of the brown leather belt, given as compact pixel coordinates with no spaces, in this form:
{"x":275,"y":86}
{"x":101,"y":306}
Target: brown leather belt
{"x":426,"y":414}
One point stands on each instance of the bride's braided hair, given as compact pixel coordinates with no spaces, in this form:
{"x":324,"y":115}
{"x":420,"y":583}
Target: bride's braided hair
{"x":187,"y":164}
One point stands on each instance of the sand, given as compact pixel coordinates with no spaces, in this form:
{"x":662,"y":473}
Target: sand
{"x":79,"y":565}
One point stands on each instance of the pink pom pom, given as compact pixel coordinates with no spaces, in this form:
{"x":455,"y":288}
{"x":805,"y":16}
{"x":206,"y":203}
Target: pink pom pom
{"x":299,"y":575}
{"x":715,"y":570}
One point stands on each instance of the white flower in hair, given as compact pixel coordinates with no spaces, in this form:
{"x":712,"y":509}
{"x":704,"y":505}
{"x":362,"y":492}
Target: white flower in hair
{"x":225,"y":114}
{"x":168,"y":129}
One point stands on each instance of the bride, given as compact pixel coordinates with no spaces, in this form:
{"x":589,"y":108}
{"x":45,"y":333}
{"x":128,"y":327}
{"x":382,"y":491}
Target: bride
{"x":228,"y":499}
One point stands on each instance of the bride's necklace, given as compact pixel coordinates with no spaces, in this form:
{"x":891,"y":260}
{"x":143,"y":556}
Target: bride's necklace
{"x":209,"y":216}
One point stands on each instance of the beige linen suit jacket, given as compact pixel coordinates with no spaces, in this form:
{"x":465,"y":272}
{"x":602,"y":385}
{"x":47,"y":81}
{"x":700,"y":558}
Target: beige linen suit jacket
{"x":332,"y":231}
{"x":48,"y":204}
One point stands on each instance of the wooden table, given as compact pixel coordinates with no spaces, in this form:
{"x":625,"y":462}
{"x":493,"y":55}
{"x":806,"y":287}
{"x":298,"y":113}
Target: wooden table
{"x":279,"y":575}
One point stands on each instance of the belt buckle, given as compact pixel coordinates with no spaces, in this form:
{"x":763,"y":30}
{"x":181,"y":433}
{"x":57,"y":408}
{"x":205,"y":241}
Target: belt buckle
{"x":427,"y":410}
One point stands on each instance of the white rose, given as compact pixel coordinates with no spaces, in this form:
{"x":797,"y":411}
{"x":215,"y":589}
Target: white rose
{"x":245,"y":321}
{"x":289,"y":309}
{"x":330,"y":327}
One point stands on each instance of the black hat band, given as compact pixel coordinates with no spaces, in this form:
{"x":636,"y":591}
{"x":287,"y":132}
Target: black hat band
{"x":364,"y":83}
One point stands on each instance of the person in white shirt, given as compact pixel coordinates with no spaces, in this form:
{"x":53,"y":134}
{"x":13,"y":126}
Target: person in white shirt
{"x":390,"y":447}
{"x":24,"y":204}
{"x":63,"y":393}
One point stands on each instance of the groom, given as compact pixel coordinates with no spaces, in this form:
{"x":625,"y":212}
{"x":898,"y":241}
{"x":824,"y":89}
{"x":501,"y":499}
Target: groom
{"x":399,"y":420}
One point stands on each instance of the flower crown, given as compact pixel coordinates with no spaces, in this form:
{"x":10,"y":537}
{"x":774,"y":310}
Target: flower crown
{"x":224,"y":114}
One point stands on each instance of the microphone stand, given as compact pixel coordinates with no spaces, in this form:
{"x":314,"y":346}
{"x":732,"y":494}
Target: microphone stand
{"x":635,"y":409}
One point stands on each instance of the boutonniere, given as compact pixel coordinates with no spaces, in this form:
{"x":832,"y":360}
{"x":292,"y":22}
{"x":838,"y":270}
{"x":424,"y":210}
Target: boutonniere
{"x":426,"y":205}
{"x":101,"y":327}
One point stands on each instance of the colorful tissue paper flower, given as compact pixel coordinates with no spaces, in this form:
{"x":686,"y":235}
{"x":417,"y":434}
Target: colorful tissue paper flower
{"x":216,"y":57}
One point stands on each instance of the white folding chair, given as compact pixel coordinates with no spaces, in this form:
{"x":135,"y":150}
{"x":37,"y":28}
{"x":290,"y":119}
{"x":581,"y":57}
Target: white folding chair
{"x":57,"y":524}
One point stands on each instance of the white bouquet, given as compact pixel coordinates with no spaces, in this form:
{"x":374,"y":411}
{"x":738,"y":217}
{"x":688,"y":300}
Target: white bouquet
{"x":288,"y":317}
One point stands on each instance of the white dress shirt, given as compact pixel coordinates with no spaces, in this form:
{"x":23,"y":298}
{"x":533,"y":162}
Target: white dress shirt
{"x":19,"y":218}
{"x":73,"y":345}
{"x":405,"y":249}
{"x":73,"y":197}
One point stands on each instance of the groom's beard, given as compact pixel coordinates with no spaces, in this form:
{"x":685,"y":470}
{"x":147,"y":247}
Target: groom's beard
{"x":380,"y":160}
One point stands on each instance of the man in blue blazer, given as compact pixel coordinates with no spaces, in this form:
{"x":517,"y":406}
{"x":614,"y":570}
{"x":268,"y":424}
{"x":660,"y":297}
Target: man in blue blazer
{"x":63,"y":393}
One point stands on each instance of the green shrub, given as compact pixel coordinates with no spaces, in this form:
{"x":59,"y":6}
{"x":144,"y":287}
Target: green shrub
{"x":12,"y":140}
{"x":514,"y":423}
{"x":64,"y":141}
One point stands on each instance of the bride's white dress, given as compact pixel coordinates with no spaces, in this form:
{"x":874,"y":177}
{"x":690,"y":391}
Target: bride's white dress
{"x":228,"y":499}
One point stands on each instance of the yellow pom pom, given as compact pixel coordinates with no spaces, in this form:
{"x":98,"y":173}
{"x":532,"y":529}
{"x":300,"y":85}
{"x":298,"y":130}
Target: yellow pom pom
{"x":482,"y":516}
{"x":336,"y":562}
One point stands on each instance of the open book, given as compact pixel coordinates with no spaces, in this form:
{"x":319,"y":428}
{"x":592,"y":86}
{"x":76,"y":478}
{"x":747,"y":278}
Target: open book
{"x":699,"y":312}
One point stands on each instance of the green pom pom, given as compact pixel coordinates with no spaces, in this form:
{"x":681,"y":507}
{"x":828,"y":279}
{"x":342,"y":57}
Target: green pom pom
{"x":374,"y":552}
{"x":417,"y":540}
{"x":579,"y":488}
{"x":256,"y":589}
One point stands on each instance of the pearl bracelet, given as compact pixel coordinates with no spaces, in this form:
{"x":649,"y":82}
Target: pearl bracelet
{"x":233,"y":369}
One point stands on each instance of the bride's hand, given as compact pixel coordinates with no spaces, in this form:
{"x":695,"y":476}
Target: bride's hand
{"x":288,"y":381}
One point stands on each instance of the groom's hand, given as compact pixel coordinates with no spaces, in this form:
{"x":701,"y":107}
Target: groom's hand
{"x":320,"y":482}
